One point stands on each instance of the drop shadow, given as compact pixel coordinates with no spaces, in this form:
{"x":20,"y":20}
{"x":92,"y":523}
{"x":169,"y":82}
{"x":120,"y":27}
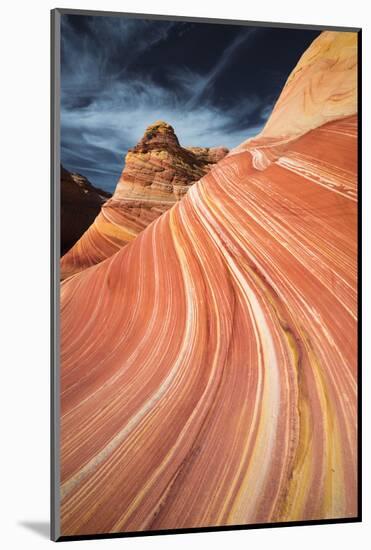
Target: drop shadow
{"x":41,"y":528}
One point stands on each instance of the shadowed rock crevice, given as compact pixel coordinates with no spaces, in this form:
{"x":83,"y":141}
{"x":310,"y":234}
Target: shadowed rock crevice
{"x":80,"y":204}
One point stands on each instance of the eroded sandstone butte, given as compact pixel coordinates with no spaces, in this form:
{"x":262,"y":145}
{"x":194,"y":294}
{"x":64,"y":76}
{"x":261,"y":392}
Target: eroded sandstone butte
{"x":209,"y":368}
{"x":81,"y":202}
{"x":158,"y":172}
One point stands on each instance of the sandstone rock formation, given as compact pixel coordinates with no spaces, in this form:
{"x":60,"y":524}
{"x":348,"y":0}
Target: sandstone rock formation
{"x":209,"y":368}
{"x":321,"y":88}
{"x":80,"y":204}
{"x":158,"y":172}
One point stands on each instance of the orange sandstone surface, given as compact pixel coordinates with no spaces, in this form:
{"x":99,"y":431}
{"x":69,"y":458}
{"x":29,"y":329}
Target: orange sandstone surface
{"x":322,"y":87}
{"x":158,"y":172}
{"x":208,"y":368}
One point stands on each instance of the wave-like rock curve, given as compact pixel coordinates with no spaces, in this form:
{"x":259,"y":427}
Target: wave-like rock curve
{"x":321,"y":88}
{"x":158,"y":172}
{"x":208,"y":369}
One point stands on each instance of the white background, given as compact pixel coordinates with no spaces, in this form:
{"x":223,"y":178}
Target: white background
{"x":24,"y":256}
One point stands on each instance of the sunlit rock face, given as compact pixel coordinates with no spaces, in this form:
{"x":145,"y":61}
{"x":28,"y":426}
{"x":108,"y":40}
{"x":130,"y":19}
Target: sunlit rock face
{"x":321,"y":88}
{"x":81,"y":202}
{"x":158,"y":172}
{"x":158,"y":168}
{"x":208,"y":369}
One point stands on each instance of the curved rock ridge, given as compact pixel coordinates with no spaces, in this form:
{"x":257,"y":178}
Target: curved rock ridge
{"x":209,"y":367}
{"x":80,"y":204}
{"x":321,"y":88}
{"x":158,"y":172}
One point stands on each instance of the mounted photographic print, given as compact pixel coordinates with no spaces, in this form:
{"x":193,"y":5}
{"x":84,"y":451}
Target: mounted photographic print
{"x":205,"y":222}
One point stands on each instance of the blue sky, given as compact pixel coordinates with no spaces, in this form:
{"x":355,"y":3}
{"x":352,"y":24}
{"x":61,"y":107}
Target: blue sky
{"x":215,"y":84}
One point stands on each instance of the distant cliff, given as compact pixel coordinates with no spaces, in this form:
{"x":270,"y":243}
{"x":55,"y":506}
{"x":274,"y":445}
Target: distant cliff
{"x":80,"y":204}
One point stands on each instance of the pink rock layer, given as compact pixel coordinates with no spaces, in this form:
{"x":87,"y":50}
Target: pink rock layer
{"x":208,"y":369}
{"x":158,"y":172}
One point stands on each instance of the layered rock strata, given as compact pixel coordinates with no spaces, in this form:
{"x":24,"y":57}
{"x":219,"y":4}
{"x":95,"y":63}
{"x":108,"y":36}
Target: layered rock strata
{"x":158,"y":172}
{"x":209,"y":368}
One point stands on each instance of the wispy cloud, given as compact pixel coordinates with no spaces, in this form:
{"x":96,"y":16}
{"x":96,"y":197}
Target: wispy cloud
{"x":115,"y":121}
{"x":114,"y":86}
{"x":203,"y":83}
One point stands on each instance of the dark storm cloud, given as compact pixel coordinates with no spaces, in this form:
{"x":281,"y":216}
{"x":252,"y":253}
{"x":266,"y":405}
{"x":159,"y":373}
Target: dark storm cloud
{"x":216,"y":85}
